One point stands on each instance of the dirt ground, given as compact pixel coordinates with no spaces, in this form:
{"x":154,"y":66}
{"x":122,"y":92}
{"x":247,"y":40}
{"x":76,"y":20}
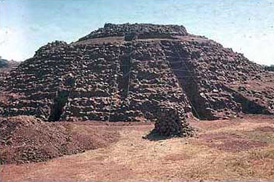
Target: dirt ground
{"x":25,"y":139}
{"x":237,"y":149}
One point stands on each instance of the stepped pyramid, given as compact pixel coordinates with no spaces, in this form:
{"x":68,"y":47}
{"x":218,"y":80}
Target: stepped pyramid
{"x":123,"y":72}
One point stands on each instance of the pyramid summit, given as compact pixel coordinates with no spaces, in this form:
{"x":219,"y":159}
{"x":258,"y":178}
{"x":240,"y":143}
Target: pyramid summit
{"x":125,"y":72}
{"x":140,"y":30}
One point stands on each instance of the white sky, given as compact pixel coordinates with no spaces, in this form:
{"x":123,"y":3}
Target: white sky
{"x":246,"y":26}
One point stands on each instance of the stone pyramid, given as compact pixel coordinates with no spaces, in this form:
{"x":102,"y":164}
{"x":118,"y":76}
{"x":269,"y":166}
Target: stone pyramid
{"x":124,"y":72}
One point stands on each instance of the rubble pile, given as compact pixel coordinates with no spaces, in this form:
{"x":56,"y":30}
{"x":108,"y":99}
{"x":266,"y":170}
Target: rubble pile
{"x":171,"y":122}
{"x":126,"y":81}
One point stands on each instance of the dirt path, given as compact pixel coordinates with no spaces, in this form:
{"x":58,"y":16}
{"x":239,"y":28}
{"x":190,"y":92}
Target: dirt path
{"x":133,"y":158}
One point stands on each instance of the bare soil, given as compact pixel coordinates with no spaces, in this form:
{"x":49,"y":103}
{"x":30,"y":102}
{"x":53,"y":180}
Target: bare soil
{"x":25,"y":139}
{"x":238,"y":149}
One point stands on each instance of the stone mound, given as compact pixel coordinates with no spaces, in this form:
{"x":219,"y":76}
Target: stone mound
{"x":122,"y":72}
{"x":27,"y":139}
{"x":171,"y":122}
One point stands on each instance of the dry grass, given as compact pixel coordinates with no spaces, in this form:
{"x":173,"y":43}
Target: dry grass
{"x":133,"y":158}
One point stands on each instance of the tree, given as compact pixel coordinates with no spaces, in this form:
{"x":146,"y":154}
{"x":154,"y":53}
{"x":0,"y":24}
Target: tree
{"x":269,"y":68}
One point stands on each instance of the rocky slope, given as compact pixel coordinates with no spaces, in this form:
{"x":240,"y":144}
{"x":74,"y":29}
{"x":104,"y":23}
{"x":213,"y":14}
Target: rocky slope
{"x":28,"y":139}
{"x":124,"y":72}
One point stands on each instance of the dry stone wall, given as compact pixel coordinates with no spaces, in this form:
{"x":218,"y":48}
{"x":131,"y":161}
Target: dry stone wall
{"x":128,"y":80}
{"x":204,"y":69}
{"x":170,"y":122}
{"x":150,"y":82}
{"x":37,"y":81}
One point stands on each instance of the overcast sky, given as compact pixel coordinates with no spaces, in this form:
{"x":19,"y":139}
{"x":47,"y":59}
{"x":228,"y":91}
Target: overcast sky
{"x":246,"y":26}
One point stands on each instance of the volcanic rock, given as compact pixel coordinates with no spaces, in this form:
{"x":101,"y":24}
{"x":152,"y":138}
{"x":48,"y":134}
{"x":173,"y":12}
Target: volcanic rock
{"x":122,"y":72}
{"x":171,"y":122}
{"x":5,"y":67}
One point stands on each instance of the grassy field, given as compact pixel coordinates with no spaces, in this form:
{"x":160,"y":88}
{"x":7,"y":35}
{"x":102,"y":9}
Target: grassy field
{"x":238,"y":149}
